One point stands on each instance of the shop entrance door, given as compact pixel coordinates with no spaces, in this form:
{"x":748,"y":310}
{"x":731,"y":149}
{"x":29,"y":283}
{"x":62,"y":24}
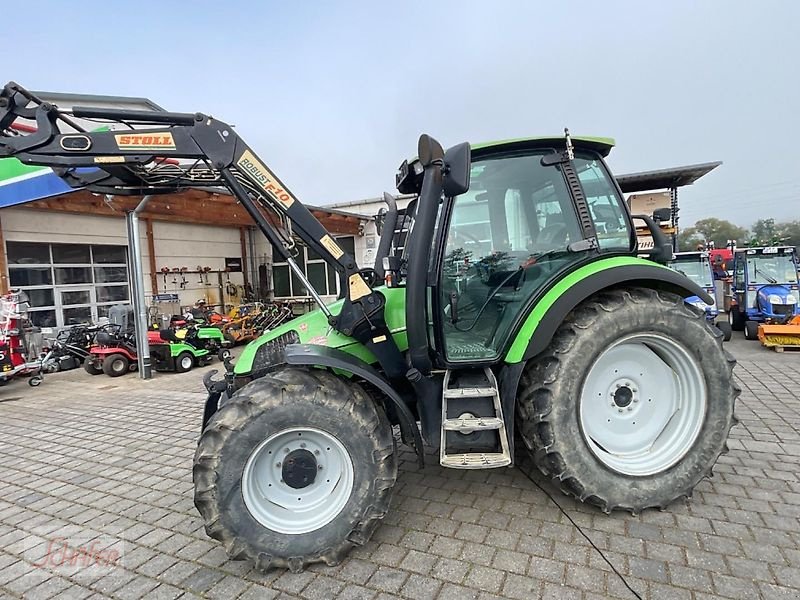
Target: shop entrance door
{"x":75,"y":305}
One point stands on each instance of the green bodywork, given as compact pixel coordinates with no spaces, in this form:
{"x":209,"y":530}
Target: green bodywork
{"x":313,"y":328}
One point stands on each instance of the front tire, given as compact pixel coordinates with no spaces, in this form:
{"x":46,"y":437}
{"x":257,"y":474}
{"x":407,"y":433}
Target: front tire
{"x":116,"y":365}
{"x":650,"y":413}
{"x":726,"y":330}
{"x":315,"y":508}
{"x":735,"y":318}
{"x":184,"y":362}
{"x":91,"y":367}
{"x":751,"y":330}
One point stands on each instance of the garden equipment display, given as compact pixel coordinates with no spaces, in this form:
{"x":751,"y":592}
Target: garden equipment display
{"x":114,"y":350}
{"x":518,"y":305}
{"x":764,"y":291}
{"x":697,"y":267}
{"x":20,"y":341}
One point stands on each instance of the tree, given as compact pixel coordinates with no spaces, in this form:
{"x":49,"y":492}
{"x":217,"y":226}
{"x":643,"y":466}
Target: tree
{"x":789,"y":233}
{"x":717,"y":230}
{"x":765,"y":233}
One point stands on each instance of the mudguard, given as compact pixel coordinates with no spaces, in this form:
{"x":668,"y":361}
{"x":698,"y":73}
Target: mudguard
{"x":322,"y":356}
{"x":545,"y":318}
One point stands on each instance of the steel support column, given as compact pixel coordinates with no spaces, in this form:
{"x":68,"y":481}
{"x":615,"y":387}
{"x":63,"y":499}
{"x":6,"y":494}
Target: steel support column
{"x":137,"y":284}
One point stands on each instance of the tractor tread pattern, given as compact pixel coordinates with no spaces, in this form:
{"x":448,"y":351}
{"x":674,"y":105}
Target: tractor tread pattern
{"x":535,"y":400}
{"x":235,"y":414}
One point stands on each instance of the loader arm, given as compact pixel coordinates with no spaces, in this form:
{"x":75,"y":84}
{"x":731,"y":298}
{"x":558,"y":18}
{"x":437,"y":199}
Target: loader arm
{"x":183,"y":150}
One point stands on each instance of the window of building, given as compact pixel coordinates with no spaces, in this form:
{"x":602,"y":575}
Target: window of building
{"x":68,"y":283}
{"x":319,"y":273}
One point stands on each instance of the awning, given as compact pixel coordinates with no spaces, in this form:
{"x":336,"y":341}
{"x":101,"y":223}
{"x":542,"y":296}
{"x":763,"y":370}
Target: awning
{"x":21,"y":183}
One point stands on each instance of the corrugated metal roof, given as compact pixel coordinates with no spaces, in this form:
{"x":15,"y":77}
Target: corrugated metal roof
{"x":645,"y":181}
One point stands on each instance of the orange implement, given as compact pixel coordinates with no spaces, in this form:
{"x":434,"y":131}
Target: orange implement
{"x":787,"y":334}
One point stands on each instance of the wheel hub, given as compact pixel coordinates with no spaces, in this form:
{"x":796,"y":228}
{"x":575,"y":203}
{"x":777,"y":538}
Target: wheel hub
{"x":623,"y":396}
{"x":297,"y":480}
{"x":299,"y":469}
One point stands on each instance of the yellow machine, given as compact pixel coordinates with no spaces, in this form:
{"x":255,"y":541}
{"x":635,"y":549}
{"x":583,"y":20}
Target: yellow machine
{"x":780,"y":336}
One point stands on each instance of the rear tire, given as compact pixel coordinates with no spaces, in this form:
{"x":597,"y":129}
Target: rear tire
{"x":581,"y":430}
{"x":751,"y":330}
{"x":184,"y":362}
{"x":90,"y":367}
{"x":243,"y":494}
{"x":735,"y":318}
{"x":116,"y":365}
{"x":725,"y":328}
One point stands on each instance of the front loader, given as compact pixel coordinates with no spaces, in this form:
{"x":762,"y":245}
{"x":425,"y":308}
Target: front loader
{"x":518,"y":305}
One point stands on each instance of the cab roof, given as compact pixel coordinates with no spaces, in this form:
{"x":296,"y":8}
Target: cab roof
{"x":602,"y":145}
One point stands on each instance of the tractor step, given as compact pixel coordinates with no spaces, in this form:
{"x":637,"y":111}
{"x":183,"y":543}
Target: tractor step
{"x":469,"y":392}
{"x":470,"y":424}
{"x":476,"y":460}
{"x":464,"y":399}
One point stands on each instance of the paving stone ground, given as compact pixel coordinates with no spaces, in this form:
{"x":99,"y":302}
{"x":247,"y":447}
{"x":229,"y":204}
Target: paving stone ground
{"x":105,"y":464}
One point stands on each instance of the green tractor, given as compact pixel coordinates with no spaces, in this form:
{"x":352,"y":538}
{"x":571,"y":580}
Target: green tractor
{"x":517,"y":309}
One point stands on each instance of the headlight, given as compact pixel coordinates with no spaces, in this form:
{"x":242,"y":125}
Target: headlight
{"x":700,"y":304}
{"x":791,"y":299}
{"x":775,"y":299}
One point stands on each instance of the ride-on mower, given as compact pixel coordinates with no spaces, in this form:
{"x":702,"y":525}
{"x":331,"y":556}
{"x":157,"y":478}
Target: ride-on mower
{"x":697,"y":267}
{"x":518,"y":305}
{"x":114,"y":349}
{"x":765,"y":294}
{"x":190,"y":346}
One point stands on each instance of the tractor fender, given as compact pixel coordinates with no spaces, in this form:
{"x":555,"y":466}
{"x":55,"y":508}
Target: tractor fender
{"x":323,"y":356}
{"x":640,"y":274}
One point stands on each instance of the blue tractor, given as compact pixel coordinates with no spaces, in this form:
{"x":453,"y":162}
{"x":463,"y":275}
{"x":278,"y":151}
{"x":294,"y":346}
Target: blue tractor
{"x":765,"y":288}
{"x":697,"y":267}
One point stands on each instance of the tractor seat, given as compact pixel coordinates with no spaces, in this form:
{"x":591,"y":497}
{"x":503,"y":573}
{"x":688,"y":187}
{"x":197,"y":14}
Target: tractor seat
{"x":106,"y":339}
{"x":168,"y":335}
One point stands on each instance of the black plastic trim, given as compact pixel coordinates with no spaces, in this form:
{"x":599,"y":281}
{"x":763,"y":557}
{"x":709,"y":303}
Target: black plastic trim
{"x":313,"y":355}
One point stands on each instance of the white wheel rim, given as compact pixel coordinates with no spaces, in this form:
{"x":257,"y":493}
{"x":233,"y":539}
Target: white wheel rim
{"x":642,"y":404}
{"x":186,"y":362}
{"x":285,"y":509}
{"x":118,"y":365}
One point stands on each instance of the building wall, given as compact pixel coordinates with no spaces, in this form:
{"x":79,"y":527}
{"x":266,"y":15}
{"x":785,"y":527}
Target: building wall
{"x":176,"y":245}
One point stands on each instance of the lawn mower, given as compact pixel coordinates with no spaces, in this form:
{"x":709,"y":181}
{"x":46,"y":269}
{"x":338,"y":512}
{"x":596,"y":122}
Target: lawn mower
{"x":697,"y":267}
{"x":71,"y":347}
{"x":191,"y":345}
{"x":551,"y":330}
{"x":114,"y":348}
{"x":765,"y":295}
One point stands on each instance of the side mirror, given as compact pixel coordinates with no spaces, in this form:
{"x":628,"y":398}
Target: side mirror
{"x":662,"y":214}
{"x":457,"y":163}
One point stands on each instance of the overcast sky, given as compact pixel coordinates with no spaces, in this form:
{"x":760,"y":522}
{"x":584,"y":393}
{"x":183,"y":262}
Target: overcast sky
{"x":333,"y":95}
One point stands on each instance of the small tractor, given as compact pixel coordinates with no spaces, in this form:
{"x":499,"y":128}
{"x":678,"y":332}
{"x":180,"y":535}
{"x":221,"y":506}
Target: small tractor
{"x":518,"y":306}
{"x":697,"y":266}
{"x":765,"y":295}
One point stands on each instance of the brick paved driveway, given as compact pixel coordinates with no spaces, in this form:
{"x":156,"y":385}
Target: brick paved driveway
{"x":104,"y":463}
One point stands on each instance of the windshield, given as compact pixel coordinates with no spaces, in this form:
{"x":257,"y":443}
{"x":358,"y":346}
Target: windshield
{"x":771,"y":268}
{"x":508,"y":236}
{"x":698,"y":270}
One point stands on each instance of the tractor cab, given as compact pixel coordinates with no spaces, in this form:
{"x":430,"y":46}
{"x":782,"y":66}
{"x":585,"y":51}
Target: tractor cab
{"x":765,"y":288}
{"x":512,"y":235}
{"x":697,"y":267}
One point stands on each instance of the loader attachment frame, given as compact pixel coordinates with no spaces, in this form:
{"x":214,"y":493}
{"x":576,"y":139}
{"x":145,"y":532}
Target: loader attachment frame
{"x":166,"y":153}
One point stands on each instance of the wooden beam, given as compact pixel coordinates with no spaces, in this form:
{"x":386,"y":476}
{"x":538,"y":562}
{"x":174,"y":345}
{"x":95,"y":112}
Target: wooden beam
{"x":151,"y":251}
{"x":243,"y":241}
{"x":3,"y":264}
